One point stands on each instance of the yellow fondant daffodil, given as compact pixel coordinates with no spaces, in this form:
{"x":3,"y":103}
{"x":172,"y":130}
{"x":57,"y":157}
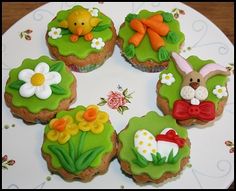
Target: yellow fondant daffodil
{"x":62,"y":129}
{"x":92,"y":119}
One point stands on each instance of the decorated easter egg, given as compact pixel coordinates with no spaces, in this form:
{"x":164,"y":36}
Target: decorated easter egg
{"x":166,"y":143}
{"x":145,"y":143}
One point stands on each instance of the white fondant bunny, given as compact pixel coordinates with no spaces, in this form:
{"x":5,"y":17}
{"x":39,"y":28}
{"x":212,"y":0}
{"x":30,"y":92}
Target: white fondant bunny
{"x":194,"y":83}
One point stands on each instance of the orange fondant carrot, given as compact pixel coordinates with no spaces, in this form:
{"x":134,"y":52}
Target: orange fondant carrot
{"x":159,"y":27}
{"x":90,"y":114}
{"x":155,"y":39}
{"x":156,"y":18}
{"x":136,"y":39}
{"x":137,"y":26}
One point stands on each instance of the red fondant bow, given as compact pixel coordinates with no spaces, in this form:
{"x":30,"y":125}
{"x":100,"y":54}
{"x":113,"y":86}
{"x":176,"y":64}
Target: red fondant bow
{"x":183,"y":110}
{"x":171,"y":136}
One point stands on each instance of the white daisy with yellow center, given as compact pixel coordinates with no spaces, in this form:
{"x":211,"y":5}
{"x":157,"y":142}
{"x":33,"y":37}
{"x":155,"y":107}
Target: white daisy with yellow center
{"x":167,"y":79}
{"x":220,"y":91}
{"x":55,"y":33}
{"x":38,"y":81}
{"x":93,"y":12}
{"x":97,"y":43}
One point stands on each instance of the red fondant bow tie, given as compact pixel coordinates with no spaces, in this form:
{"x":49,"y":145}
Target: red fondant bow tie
{"x":183,"y":110}
{"x":171,"y":136}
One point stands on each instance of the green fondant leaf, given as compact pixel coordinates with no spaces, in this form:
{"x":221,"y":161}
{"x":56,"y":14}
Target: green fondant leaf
{"x":56,"y":89}
{"x":130,"y":51}
{"x":16,"y":84}
{"x":170,"y":157}
{"x":64,"y":159}
{"x":57,"y":67}
{"x":65,"y":31}
{"x":81,"y":143}
{"x":71,"y":150}
{"x":172,"y":37}
{"x":100,"y":28}
{"x":87,"y":158}
{"x":130,"y":17}
{"x":139,"y":158}
{"x":167,"y":17}
{"x":163,"y":54}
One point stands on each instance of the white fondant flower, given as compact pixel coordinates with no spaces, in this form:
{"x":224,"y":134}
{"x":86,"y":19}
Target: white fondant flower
{"x":93,"y":12}
{"x":167,"y":79}
{"x":38,"y":81}
{"x":220,"y":91}
{"x":97,"y":43}
{"x":55,"y":33}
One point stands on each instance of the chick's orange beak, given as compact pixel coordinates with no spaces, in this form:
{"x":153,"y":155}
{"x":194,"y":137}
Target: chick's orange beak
{"x":79,"y":31}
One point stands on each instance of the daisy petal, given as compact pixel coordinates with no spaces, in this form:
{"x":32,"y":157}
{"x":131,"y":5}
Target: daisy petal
{"x":42,"y":67}
{"x":25,"y":75}
{"x":52,"y":78}
{"x":27,"y":90}
{"x":43,"y":92}
{"x":63,"y":137}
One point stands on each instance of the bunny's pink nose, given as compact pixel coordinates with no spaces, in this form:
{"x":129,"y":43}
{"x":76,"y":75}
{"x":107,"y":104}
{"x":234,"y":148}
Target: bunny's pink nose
{"x":194,"y":85}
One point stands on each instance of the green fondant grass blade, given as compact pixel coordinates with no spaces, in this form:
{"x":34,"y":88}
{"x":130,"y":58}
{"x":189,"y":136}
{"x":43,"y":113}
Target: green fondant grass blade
{"x":63,"y":158}
{"x":81,"y":143}
{"x":56,"y":67}
{"x":56,"y":89}
{"x":161,"y":161}
{"x":140,"y":158}
{"x":16,"y":84}
{"x":71,"y":150}
{"x":136,"y":161}
{"x":154,"y":159}
{"x":87,"y":158}
{"x":158,"y":156}
{"x":170,"y":157}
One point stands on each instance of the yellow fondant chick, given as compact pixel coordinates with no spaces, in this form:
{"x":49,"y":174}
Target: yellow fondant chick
{"x":80,"y":22}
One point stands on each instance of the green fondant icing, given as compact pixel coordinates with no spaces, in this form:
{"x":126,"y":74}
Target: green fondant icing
{"x":81,"y":48}
{"x":34,"y":104}
{"x":167,"y":17}
{"x":90,"y":141}
{"x":163,"y":54}
{"x":172,"y":93}
{"x":144,"y":51}
{"x":155,"y":124}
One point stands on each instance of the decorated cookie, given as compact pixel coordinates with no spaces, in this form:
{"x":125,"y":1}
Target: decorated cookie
{"x":193,"y":91}
{"x":82,"y":38}
{"x":147,"y":38}
{"x":80,"y":143}
{"x":153,"y":148}
{"x":39,"y":88}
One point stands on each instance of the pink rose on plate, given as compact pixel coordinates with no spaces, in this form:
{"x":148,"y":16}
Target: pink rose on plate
{"x":115,"y":99}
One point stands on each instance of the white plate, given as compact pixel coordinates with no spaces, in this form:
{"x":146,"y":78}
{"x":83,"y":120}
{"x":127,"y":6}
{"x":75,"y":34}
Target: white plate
{"x":212,"y":164}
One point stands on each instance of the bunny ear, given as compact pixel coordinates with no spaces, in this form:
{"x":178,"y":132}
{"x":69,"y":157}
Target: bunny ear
{"x":212,"y":69}
{"x":183,"y":66}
